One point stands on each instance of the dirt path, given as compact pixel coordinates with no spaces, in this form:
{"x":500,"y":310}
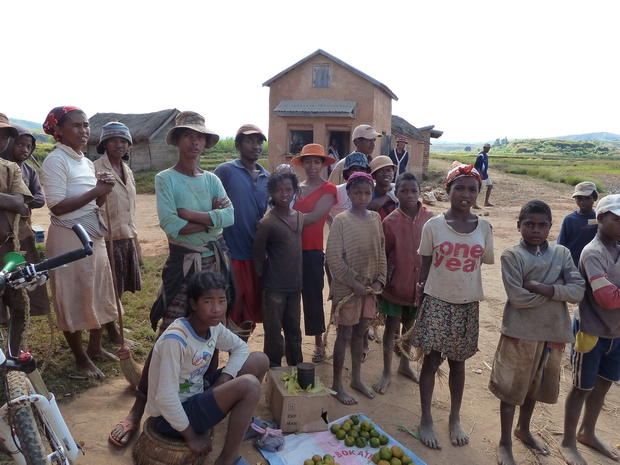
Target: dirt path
{"x":94,"y":413}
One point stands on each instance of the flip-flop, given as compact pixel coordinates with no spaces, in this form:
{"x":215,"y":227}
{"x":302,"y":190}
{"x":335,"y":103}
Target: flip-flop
{"x":252,"y":433}
{"x":242,"y":461}
{"x":129,"y":429}
{"x":365,"y":353}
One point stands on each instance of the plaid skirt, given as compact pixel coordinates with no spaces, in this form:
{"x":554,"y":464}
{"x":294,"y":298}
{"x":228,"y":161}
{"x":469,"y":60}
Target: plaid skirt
{"x":451,"y":329}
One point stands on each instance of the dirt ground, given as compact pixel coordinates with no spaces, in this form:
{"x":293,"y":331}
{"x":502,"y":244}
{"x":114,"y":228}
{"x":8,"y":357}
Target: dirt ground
{"x":91,"y":415}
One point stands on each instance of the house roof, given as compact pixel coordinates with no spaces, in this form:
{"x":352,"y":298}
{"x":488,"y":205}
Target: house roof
{"x":435,"y":134}
{"x":317,"y":107}
{"x":382,"y":86}
{"x":142,"y":126}
{"x":403,"y":128}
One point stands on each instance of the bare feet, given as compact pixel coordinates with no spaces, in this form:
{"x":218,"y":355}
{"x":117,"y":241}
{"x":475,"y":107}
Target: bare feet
{"x":571,"y":455}
{"x":458,"y":435}
{"x":594,"y":442}
{"x":383,"y":383}
{"x":87,"y":367}
{"x":405,"y":369}
{"x":428,"y":436}
{"x":102,"y":354}
{"x":504,"y":455}
{"x":343,"y":396}
{"x":361,"y":387}
{"x":531,"y":441}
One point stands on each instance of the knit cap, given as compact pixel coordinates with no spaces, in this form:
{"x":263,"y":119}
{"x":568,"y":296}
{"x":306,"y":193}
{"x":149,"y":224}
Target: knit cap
{"x":111,"y":130}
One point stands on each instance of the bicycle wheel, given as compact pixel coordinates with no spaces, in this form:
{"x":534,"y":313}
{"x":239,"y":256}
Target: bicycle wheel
{"x":24,"y":419}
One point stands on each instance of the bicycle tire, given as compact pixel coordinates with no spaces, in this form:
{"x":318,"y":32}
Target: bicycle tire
{"x":24,"y":419}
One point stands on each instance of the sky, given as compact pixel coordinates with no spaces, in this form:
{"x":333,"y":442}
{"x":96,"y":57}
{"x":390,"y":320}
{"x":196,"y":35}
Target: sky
{"x":478,"y":70}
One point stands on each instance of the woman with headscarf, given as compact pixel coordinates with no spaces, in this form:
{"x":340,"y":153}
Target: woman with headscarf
{"x":82,"y":293}
{"x":121,"y":210}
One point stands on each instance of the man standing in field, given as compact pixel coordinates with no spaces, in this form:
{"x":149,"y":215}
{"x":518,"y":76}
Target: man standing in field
{"x":482,"y":165}
{"x":245,"y":181}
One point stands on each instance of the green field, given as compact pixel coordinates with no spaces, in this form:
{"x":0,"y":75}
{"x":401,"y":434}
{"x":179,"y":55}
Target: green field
{"x":603,"y":171}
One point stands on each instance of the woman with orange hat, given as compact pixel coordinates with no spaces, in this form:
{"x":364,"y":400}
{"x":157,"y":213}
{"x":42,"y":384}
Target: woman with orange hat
{"x":316,"y":199}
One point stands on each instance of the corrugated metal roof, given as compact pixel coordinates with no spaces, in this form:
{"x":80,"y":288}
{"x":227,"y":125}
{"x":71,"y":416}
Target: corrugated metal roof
{"x":316,"y":107}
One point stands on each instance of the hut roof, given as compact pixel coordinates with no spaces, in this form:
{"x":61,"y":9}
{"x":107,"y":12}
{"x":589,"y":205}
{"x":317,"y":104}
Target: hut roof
{"x":142,"y":126}
{"x":382,"y":86}
{"x":403,"y":128}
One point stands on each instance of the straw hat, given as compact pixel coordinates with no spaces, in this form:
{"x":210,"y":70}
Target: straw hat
{"x":192,"y":120}
{"x":381,"y":162}
{"x":313,"y":150}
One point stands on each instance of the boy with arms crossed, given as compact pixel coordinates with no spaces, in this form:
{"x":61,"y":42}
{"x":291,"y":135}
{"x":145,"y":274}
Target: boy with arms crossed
{"x":539,"y":279}
{"x":596,"y":354}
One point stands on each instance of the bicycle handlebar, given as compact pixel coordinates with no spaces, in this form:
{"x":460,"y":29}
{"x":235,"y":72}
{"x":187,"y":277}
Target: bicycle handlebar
{"x":28,"y":272}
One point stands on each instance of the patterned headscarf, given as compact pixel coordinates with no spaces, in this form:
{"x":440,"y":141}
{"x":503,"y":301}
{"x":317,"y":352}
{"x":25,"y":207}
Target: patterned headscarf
{"x":459,"y":169}
{"x":360,"y":174}
{"x":52,"y":120}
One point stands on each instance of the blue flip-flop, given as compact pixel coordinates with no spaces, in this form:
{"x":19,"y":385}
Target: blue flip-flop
{"x":252,"y":433}
{"x":242,"y":461}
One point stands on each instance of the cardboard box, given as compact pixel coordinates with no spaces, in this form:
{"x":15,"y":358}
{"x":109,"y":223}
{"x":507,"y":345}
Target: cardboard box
{"x":301,"y":413}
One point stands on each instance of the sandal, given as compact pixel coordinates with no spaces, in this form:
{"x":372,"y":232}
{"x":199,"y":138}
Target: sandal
{"x":129,"y":429}
{"x":252,"y":433}
{"x":365,"y":353}
{"x":244,"y":331}
{"x":318,"y":356}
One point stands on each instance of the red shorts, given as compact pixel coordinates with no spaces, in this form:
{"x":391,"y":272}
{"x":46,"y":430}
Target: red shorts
{"x":248,"y":306}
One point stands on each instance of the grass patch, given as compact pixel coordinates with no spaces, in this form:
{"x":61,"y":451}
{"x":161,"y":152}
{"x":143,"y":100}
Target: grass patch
{"x":47,"y":344}
{"x":553,"y":168}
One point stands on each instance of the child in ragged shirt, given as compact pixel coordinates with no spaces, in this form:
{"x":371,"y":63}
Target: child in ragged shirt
{"x":402,"y":229}
{"x":279,"y":236}
{"x":539,"y":279}
{"x":355,"y":254}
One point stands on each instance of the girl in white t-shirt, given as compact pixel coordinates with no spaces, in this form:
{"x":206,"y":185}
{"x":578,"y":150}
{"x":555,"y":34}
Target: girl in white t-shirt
{"x":453,"y":247}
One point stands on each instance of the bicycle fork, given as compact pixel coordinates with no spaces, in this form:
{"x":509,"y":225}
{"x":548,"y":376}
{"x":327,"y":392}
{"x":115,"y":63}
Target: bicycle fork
{"x":54,"y":422}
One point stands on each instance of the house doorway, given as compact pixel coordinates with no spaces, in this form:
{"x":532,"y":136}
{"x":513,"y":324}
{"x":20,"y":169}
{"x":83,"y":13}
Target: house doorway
{"x":342,"y":139}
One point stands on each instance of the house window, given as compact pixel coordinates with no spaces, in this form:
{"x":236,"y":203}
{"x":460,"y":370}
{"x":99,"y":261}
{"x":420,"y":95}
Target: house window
{"x":321,"y":77}
{"x":298,"y":140}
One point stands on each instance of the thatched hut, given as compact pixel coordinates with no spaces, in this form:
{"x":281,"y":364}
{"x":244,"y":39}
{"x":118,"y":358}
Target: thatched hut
{"x":148,"y":131}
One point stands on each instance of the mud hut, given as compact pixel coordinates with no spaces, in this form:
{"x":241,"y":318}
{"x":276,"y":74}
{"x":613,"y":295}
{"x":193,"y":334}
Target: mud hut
{"x":148,"y":131}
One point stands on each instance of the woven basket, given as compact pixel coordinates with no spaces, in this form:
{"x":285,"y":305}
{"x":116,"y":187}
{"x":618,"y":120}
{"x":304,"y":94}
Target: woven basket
{"x":153,"y":448}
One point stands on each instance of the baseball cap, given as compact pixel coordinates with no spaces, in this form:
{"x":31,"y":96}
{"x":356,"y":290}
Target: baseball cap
{"x":584,"y":189}
{"x":248,"y":129}
{"x":610,"y":203}
{"x":366,"y":131}
{"x":355,"y":159}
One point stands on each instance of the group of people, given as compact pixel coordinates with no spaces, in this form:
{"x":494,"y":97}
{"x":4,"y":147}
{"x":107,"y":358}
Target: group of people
{"x":247,"y":247}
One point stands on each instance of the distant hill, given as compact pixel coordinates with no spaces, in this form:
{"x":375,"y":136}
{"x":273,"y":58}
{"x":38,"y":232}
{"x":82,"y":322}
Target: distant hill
{"x":27,"y":124}
{"x":596,"y":136}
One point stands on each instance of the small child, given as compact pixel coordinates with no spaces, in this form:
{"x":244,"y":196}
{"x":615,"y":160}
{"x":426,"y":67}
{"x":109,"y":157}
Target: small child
{"x":402,"y":229}
{"x":596,"y":354}
{"x":355,"y":254}
{"x":279,"y":236}
{"x":354,"y":162}
{"x":186,"y":403}
{"x":579,"y":228}
{"x":384,"y":200}
{"x":539,"y":279}
{"x":453,"y":247}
